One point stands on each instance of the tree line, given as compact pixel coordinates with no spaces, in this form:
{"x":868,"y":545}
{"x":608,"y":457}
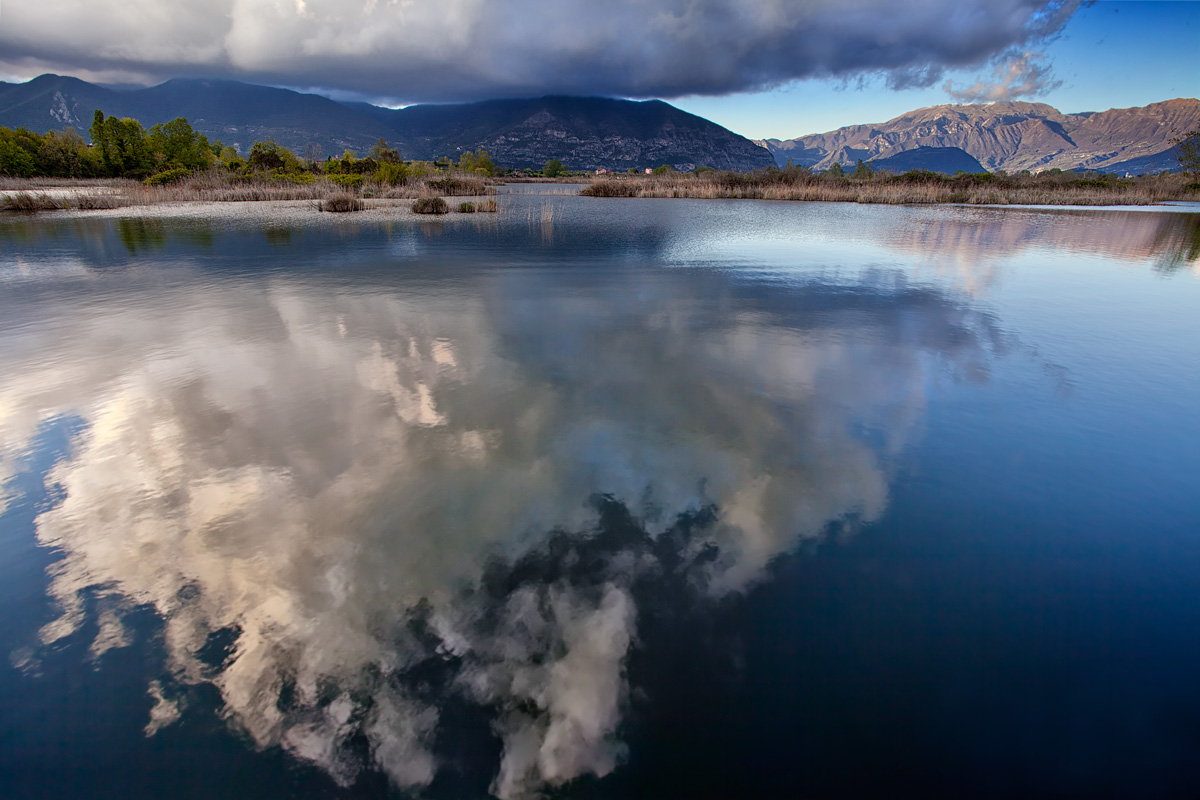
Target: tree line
{"x":168,"y":151}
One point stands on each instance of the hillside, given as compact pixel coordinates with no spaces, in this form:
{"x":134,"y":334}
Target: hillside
{"x":236,"y":113}
{"x":935,"y":159}
{"x":583,"y":133}
{"x":1011,"y":136}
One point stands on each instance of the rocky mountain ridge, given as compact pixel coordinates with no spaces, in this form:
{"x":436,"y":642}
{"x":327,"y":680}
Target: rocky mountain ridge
{"x":1011,"y":136}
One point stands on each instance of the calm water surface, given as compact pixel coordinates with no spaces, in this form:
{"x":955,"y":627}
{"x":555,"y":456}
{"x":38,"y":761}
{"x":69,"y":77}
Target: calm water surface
{"x":601,"y":499}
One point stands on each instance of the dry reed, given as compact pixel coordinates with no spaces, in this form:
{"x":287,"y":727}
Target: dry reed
{"x":340,"y":202}
{"x":909,"y":188}
{"x":220,"y":187}
{"x":430,"y":205}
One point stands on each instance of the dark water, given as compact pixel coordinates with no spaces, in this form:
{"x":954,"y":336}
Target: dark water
{"x":602,"y":499}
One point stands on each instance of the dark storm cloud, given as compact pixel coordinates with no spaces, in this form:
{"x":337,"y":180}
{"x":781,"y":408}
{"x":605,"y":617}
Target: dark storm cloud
{"x":464,"y":49}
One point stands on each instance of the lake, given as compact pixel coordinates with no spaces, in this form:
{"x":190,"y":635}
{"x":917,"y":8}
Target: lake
{"x":600,"y":498}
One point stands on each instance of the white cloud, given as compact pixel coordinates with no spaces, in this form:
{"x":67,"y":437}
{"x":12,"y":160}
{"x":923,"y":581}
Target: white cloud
{"x":1017,"y":75}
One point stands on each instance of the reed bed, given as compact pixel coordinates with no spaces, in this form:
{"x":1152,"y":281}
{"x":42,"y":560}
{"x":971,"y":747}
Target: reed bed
{"x":483,"y":206}
{"x":19,"y":194}
{"x":44,"y":201}
{"x":909,"y":188}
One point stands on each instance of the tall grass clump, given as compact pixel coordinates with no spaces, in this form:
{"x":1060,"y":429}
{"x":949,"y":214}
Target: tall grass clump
{"x":456,"y":185}
{"x":340,"y":202}
{"x":29,"y":202}
{"x":430,"y":205}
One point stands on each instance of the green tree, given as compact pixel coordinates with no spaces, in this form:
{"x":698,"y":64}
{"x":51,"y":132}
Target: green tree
{"x":384,"y":154}
{"x":392,"y":173}
{"x":124,"y":149}
{"x":15,"y":161}
{"x":1189,"y":152}
{"x":176,"y":144}
{"x":861,"y":170}
{"x":271,"y":155}
{"x":837,"y":171}
{"x":553,"y":168}
{"x":665,"y":169}
{"x":479,"y":161}
{"x":66,"y":155}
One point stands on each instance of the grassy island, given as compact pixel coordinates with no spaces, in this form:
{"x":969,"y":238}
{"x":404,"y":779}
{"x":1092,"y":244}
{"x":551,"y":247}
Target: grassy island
{"x":1053,"y":187}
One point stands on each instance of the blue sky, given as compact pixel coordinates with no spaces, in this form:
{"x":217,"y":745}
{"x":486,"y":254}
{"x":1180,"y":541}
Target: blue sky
{"x":1113,"y":54}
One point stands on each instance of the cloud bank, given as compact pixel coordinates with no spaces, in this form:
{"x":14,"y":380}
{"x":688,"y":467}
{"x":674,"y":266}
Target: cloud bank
{"x":473,"y":49}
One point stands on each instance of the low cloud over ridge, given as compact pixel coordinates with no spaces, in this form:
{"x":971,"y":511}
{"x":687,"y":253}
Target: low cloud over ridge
{"x":1016,"y":75}
{"x":470,"y":49}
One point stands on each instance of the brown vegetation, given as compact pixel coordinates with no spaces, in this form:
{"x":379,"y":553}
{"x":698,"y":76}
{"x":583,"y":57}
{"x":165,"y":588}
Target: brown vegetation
{"x":340,"y":202}
{"x":49,"y":194}
{"x":43,"y":201}
{"x":462,"y":186}
{"x":916,"y":187}
{"x":27,"y":201}
{"x":430,"y":205}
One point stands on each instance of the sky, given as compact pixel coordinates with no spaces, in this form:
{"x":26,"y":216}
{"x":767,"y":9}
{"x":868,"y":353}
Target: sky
{"x":762,"y":68}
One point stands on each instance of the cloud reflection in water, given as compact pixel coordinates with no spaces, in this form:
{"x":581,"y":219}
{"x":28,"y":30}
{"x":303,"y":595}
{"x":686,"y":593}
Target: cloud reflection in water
{"x":352,"y":484}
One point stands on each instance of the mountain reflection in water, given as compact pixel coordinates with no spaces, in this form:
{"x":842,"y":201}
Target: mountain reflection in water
{"x":488,"y":476}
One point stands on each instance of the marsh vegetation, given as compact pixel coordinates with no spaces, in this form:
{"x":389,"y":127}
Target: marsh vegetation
{"x":1053,"y":187}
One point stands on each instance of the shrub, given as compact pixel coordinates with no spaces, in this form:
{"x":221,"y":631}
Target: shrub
{"x":270,"y":155}
{"x":462,"y":185}
{"x":348,"y":181}
{"x":170,"y":176}
{"x":392,"y":173}
{"x":430,"y":205}
{"x":466,"y":208}
{"x":915,"y":175}
{"x":340,"y":202}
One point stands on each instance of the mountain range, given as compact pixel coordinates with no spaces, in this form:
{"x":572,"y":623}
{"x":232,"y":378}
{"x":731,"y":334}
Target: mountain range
{"x":1010,"y":136}
{"x":593,"y":132}
{"x":582,"y":132}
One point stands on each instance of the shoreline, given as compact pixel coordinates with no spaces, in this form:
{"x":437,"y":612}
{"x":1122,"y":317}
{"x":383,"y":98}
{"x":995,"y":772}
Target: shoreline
{"x":79,"y":198}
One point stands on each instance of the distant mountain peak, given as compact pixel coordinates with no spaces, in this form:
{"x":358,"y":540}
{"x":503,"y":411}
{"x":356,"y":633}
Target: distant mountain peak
{"x":1009,"y":135}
